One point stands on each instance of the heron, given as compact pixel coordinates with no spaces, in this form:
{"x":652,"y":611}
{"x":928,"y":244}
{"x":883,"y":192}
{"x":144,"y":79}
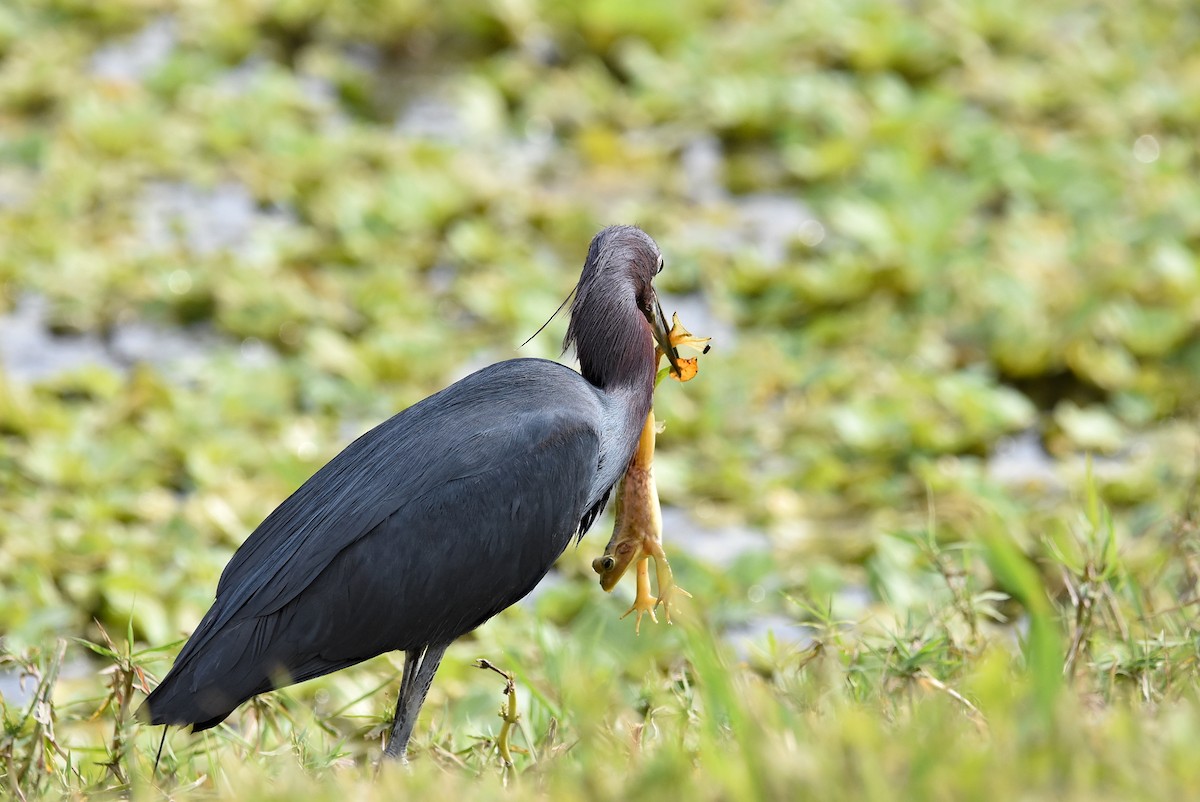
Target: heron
{"x":438,"y":518}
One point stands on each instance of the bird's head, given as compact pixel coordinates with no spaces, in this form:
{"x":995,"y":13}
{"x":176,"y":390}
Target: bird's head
{"x":618,"y":274}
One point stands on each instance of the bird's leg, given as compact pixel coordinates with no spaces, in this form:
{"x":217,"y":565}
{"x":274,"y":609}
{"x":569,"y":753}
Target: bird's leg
{"x":397,"y":748}
{"x":412,"y":660}
{"x":419,"y":668}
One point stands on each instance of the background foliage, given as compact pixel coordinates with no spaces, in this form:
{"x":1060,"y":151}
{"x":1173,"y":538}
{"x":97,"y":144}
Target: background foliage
{"x":939,"y":471}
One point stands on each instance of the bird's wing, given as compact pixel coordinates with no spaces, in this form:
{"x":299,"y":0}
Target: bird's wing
{"x":442,"y":565}
{"x":494,"y":418}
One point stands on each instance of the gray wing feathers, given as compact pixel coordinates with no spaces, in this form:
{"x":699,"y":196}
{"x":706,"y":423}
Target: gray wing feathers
{"x":406,"y":472}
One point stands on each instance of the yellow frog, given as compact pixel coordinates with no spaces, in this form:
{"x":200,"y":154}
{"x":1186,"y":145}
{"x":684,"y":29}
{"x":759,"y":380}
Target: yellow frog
{"x":637,"y":533}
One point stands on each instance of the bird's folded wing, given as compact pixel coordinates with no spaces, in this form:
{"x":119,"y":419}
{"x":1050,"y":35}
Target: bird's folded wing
{"x":447,"y":437}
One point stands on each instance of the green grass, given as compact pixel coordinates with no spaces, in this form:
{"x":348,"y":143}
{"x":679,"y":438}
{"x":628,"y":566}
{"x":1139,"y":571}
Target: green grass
{"x":1004,"y":240}
{"x":948,"y":702}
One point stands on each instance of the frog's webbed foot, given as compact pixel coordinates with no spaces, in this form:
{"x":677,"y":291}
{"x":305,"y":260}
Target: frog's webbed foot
{"x":682,"y":369}
{"x":644,"y":602}
{"x":666,"y":584}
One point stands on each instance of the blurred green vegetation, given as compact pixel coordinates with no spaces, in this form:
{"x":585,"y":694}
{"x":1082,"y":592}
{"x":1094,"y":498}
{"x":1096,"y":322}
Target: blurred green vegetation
{"x":916,"y":230}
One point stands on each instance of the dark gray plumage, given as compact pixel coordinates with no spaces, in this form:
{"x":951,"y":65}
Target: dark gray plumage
{"x":438,"y":518}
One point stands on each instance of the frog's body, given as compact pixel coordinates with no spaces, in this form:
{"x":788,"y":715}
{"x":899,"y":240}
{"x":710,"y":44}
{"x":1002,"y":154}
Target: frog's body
{"x":637,"y":535}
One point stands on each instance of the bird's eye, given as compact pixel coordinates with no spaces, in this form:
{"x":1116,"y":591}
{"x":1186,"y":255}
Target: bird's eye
{"x":658,"y":268}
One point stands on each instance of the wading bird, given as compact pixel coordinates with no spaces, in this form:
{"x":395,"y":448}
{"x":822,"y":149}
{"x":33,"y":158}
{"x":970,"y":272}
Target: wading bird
{"x":440,"y":517}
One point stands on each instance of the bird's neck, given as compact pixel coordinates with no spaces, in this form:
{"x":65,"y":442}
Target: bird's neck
{"x":617,"y":356}
{"x":626,"y":404}
{"x":622,"y":366}
{"x":630,"y":406}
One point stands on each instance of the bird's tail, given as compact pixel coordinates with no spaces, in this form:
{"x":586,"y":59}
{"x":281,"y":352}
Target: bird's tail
{"x":206,"y":685}
{"x":174,"y":702}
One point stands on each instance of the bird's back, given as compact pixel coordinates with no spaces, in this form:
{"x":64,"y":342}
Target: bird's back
{"x":381,"y":549}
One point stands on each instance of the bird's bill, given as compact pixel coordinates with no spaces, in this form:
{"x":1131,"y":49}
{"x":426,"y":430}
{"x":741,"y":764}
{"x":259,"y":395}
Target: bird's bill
{"x":662,"y":335}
